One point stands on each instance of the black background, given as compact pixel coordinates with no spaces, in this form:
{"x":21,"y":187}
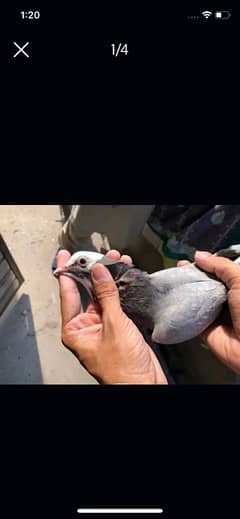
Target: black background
{"x":157,"y":125}
{"x":163,"y":115}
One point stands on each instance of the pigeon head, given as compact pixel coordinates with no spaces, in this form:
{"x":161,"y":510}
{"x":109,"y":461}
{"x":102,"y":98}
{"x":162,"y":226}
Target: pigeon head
{"x":134,"y":288}
{"x":78,"y":267}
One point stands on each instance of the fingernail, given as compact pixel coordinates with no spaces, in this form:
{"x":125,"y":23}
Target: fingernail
{"x":202,"y":254}
{"x":101,"y":273}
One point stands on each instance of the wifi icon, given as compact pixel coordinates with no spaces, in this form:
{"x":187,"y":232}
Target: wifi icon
{"x":207,"y":14}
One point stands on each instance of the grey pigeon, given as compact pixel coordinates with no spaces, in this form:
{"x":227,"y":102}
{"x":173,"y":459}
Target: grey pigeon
{"x":176,"y":304}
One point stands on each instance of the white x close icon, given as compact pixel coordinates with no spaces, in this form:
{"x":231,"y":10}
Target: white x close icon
{"x":21,"y":49}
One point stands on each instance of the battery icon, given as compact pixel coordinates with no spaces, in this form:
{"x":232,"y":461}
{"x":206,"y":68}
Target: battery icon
{"x":222,"y":15}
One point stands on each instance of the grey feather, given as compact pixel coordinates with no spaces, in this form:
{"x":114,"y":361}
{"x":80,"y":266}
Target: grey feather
{"x":189,"y":302}
{"x":181,"y":303}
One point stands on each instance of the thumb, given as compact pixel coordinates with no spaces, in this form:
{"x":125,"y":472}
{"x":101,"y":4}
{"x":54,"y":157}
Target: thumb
{"x":222,"y":268}
{"x":105,"y":289}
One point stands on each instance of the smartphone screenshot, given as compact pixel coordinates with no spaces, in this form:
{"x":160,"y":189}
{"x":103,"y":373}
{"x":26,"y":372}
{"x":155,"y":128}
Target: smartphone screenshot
{"x":119,"y":256}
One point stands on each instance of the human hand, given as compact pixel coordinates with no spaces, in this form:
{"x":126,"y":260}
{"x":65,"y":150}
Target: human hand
{"x":223,"y":338}
{"x":103,"y":338}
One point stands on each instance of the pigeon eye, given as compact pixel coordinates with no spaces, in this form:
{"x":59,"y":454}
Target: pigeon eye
{"x":121,"y":283}
{"x":83,"y":262}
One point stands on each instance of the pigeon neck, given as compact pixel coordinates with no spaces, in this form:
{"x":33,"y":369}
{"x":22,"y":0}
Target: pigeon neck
{"x":137,"y":296}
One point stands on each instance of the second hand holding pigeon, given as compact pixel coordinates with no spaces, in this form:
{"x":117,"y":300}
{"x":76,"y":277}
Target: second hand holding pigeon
{"x":223,"y":338}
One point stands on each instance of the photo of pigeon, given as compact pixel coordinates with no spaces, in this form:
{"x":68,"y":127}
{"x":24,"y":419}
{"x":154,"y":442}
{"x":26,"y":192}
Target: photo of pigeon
{"x":176,"y":304}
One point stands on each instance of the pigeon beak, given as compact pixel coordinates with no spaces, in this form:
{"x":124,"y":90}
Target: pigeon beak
{"x":79,"y":277}
{"x":59,"y":270}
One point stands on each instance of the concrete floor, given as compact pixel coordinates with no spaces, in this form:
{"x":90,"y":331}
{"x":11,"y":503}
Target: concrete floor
{"x":30,"y":346}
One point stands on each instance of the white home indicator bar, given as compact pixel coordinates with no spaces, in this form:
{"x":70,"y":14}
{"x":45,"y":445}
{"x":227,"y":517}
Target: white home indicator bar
{"x":120,"y":510}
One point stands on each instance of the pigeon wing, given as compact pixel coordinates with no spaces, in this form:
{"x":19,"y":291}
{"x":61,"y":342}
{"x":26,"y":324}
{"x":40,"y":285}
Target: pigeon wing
{"x":184,"y":311}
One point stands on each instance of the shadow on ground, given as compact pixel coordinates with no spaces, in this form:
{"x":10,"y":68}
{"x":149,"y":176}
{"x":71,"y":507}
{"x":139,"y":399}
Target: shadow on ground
{"x":19,"y":358}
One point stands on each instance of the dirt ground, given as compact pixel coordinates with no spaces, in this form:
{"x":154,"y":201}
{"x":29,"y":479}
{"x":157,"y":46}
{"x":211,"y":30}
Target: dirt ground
{"x":30,"y":347}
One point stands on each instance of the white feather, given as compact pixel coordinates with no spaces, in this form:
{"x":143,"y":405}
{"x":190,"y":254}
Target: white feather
{"x":89,"y":256}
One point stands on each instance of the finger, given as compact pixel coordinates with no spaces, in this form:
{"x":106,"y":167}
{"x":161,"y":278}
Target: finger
{"x":105,"y":289}
{"x":62,"y":257}
{"x":86,"y":320}
{"x":113,"y":254}
{"x":126,"y":259}
{"x":183,"y":263}
{"x":213,"y":336}
{"x":222,"y":268}
{"x":224,"y":344}
{"x":93,"y":308}
{"x":69,"y":293}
